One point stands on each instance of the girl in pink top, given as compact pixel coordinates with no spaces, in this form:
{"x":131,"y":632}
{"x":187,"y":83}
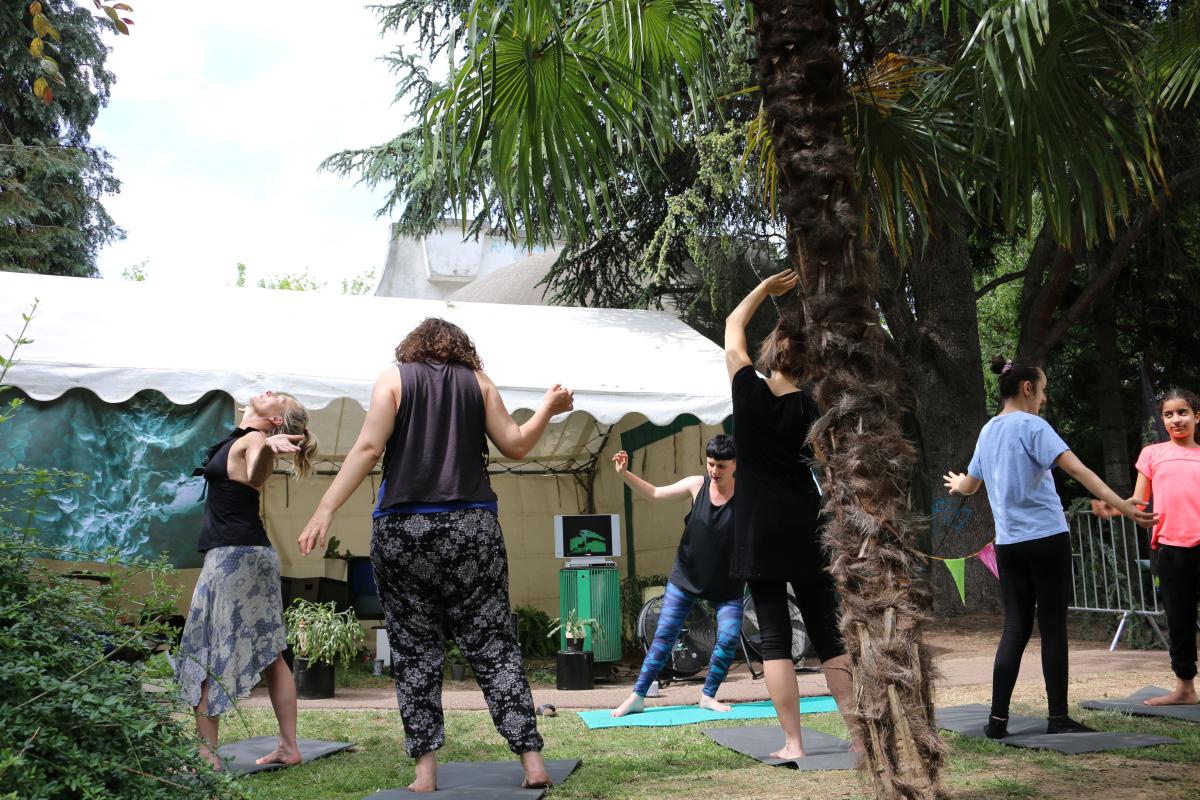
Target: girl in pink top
{"x":1170,"y":471}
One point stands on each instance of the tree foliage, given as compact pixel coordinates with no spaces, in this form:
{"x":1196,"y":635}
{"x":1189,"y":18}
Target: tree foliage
{"x":52,"y":180}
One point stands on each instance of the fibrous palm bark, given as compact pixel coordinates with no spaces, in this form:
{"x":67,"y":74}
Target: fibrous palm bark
{"x":860,"y":389}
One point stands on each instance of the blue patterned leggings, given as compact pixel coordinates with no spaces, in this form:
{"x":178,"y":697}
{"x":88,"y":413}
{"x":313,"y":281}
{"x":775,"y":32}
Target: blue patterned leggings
{"x":676,"y":605}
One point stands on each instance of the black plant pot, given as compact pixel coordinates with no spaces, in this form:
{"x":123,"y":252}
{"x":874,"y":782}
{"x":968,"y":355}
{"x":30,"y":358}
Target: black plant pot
{"x":313,"y":681}
{"x":575,"y":645}
{"x":458,"y":672}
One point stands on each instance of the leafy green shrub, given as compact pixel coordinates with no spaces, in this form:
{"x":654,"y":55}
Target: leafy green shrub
{"x":74,"y":724}
{"x":533,"y":626}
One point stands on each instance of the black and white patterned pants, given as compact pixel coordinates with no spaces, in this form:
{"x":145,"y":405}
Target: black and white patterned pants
{"x":450,"y":569}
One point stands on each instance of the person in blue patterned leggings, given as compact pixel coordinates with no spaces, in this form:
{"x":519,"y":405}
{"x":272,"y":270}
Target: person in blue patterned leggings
{"x":701,"y":570}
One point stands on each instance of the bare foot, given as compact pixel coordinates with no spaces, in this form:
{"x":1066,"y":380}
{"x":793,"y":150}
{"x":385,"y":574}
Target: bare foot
{"x":536,"y":776}
{"x":1181,"y":696}
{"x":635,"y":704}
{"x":288,"y":755}
{"x":426,"y":780}
{"x":210,"y":755}
{"x":712,"y":704}
{"x":789,"y":752}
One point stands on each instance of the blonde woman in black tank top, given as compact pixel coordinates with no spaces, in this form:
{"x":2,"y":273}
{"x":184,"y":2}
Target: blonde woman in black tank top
{"x":436,"y":544}
{"x":218,"y":662}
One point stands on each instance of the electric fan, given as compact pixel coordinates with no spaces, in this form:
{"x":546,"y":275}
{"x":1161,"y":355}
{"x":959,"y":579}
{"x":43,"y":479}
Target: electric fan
{"x":692,"y":649}
{"x":801,"y":644}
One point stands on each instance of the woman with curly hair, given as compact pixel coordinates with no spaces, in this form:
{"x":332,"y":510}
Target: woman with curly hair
{"x":436,"y":544}
{"x":234,"y":631}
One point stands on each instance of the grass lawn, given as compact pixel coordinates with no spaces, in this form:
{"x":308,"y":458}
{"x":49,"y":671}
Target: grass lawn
{"x":681,"y":763}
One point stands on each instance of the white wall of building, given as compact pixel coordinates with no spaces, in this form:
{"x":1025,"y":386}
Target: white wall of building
{"x":443,"y":262}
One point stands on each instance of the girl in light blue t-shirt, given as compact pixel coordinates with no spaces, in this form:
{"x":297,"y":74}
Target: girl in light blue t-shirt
{"x":1013,"y":458}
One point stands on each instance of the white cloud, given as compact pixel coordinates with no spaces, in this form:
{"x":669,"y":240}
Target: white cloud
{"x":217,"y":124}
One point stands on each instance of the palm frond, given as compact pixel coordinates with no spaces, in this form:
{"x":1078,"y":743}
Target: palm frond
{"x":552,"y":93}
{"x":1058,"y":104}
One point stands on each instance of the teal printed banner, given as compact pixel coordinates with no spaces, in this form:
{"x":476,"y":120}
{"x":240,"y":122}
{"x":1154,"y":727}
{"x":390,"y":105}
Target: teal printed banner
{"x":139,"y":496}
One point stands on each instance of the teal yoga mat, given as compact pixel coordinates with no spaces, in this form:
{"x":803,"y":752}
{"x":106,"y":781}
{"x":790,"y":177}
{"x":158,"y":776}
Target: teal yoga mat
{"x":658,"y":716}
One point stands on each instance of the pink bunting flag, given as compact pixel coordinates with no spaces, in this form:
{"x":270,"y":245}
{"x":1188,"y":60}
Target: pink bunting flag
{"x":988,"y":556}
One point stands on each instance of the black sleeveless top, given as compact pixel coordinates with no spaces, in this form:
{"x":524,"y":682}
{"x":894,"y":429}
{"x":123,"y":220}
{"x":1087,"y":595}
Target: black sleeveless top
{"x":702,"y":560}
{"x":231,"y":508}
{"x":437,"y":452}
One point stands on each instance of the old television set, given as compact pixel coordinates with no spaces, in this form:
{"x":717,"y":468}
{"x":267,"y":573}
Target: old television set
{"x":587,"y":537}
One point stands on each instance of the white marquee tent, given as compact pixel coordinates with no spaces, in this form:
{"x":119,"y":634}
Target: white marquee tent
{"x":117,"y":338}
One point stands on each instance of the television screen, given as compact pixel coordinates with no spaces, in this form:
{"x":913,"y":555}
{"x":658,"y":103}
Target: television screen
{"x":587,"y":535}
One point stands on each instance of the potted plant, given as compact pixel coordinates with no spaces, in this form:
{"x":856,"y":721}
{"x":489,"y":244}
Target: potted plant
{"x":320,"y":637}
{"x":457,"y":662}
{"x":574,"y":629}
{"x":335,"y":562}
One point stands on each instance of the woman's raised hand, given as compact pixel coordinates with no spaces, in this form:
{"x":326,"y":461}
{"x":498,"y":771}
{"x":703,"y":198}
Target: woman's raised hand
{"x":781,"y":283}
{"x":559,"y":399}
{"x":284,"y":442}
{"x":620,"y":461}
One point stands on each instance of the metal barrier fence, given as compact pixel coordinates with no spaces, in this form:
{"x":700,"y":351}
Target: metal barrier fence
{"x":1110,"y":565}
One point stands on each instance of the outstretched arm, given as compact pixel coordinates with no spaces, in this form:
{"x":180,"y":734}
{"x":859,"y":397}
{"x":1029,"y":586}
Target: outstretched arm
{"x":961,"y":483}
{"x":1070,"y":463}
{"x":688,"y":487}
{"x":363,"y":456}
{"x":737,"y":351}
{"x":511,"y":439}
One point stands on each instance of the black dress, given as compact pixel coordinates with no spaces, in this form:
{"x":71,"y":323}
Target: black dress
{"x":777,"y":525}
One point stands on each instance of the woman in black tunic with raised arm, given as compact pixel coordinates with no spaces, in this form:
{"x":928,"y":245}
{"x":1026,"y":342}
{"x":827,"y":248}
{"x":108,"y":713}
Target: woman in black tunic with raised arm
{"x":777,"y":530}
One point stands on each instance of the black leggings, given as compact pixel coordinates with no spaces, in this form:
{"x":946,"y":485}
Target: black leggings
{"x":818,"y":603}
{"x":1179,"y":573}
{"x":1034,"y":574}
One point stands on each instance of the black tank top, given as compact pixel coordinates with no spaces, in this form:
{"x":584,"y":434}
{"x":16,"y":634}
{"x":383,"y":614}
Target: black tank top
{"x":437,"y":452}
{"x":703,"y":558}
{"x":231,"y":508}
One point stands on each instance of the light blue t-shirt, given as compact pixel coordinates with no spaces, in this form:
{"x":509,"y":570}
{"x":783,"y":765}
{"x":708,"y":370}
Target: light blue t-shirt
{"x":1013,"y":458}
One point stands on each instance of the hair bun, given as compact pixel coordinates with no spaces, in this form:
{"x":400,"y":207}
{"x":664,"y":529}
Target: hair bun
{"x":998,"y":364}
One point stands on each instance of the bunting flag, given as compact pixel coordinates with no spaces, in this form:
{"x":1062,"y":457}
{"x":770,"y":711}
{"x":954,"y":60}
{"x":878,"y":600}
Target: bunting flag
{"x":956,"y":567}
{"x":988,"y":556}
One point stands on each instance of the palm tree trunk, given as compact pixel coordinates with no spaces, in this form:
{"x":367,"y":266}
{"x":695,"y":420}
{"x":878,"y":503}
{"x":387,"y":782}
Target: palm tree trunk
{"x":861,"y":391}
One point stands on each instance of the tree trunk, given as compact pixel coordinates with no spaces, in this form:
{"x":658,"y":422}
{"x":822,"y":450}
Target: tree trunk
{"x":861,"y":391}
{"x":1109,"y":405}
{"x":930,"y":309}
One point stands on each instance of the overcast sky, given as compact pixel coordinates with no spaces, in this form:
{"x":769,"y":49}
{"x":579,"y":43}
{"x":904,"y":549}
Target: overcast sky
{"x":218,"y":120}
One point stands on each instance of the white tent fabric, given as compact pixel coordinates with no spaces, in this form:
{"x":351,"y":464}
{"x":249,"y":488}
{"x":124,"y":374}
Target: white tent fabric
{"x":117,"y":338}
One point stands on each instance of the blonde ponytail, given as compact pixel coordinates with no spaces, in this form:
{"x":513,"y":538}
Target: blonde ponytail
{"x":295,"y":422}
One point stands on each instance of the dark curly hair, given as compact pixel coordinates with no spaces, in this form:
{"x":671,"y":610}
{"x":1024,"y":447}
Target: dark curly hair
{"x":785,"y":349}
{"x":435,"y":339}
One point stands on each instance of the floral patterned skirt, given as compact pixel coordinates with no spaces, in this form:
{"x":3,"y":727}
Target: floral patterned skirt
{"x":234,"y":627}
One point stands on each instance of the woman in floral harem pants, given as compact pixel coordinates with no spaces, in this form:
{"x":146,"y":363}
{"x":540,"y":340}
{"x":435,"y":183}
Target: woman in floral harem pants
{"x":436,"y":544}
{"x":450,"y":567}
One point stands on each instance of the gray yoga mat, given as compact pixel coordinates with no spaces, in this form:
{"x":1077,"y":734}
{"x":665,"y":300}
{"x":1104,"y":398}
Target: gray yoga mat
{"x":238,"y":757}
{"x":1134,"y":705}
{"x":822,"y":751}
{"x":474,"y":780}
{"x":970,"y":720}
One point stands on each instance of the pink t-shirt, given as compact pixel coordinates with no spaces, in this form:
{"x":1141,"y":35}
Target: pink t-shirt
{"x":1174,"y":474}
